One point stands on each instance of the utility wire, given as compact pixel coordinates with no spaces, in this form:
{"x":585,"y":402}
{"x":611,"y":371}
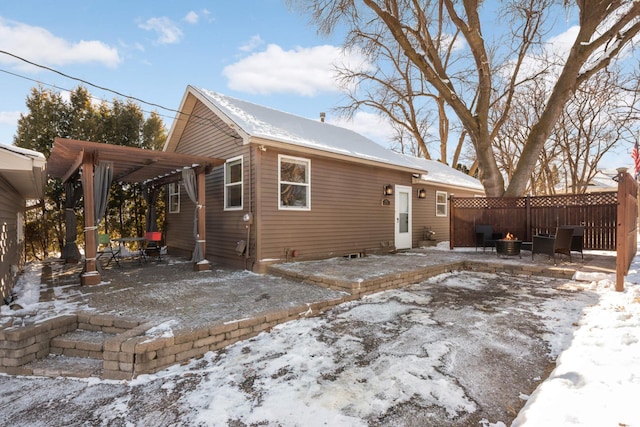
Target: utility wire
{"x":133,"y":98}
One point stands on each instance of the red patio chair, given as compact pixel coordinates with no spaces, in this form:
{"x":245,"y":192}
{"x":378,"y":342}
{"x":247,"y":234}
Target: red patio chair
{"x":153,"y":247}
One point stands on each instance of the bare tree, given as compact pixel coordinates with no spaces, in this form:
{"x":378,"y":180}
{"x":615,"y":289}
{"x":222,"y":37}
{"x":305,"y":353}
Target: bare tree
{"x":598,"y":116}
{"x":397,"y":90}
{"x":606,"y":28}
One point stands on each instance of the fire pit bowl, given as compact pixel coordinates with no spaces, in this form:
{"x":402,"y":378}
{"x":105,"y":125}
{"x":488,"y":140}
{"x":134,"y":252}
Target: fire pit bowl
{"x":508,"y":247}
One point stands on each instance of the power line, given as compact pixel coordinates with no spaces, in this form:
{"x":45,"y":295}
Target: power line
{"x":88,"y":83}
{"x":106,"y":89}
{"x":51,"y":85}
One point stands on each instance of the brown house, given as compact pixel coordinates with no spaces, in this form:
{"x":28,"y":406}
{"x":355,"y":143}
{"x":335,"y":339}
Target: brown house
{"x":296,"y":189}
{"x":22,"y":178}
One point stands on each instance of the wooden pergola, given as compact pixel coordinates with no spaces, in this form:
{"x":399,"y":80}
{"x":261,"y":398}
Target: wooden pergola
{"x":71,"y":159}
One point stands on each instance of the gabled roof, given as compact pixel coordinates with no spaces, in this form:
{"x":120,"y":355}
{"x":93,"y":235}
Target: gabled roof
{"x":263,"y":125}
{"x":24,"y":170}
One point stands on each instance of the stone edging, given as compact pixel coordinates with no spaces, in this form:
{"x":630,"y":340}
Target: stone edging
{"x":130,"y":352}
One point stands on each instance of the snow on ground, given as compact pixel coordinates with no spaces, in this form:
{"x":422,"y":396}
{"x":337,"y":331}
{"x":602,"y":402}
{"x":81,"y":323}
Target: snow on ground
{"x":597,"y":378}
{"x":389,"y":359}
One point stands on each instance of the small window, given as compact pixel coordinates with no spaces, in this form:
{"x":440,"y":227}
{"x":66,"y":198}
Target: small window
{"x":294,"y":181}
{"x":174,"y":197}
{"x":233,"y":184}
{"x":441,"y":203}
{"x":20,"y":227}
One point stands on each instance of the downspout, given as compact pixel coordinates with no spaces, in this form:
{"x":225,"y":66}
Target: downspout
{"x":247,"y":252}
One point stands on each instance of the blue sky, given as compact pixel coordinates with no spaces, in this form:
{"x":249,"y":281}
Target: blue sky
{"x":257,"y":50}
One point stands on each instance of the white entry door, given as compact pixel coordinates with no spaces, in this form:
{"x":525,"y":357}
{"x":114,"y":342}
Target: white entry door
{"x":403,"y":217}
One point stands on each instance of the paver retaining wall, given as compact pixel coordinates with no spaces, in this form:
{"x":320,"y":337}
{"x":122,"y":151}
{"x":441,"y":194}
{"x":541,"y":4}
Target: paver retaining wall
{"x":127,"y":352}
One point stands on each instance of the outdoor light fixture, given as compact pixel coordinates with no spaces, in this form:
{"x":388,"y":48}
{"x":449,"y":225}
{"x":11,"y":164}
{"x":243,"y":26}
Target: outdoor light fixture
{"x":422,"y":193}
{"x":388,"y":190}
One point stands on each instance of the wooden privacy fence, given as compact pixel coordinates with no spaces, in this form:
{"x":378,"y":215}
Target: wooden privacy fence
{"x":527,"y":216}
{"x":627,"y":236}
{"x":610,"y":219}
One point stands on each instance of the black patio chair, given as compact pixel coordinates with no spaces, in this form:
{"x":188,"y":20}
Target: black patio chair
{"x":560,"y":243}
{"x":485,"y":237}
{"x":577,"y":241}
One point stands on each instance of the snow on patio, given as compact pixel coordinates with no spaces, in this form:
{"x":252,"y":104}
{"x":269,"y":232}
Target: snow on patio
{"x":459,"y":349}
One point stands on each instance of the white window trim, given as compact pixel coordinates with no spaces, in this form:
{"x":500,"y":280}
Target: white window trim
{"x":282,"y":157}
{"x":441,"y":204}
{"x":231,"y":160}
{"x":170,"y":194}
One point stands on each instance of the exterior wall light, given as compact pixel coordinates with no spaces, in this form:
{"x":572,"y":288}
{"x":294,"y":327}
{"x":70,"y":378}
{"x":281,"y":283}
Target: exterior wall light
{"x":387,"y":190}
{"x":422,"y":193}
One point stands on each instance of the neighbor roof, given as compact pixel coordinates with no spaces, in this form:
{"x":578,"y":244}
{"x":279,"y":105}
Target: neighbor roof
{"x":24,"y":170}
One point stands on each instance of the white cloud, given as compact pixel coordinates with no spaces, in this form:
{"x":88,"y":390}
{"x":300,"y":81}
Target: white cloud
{"x":302,"y":71}
{"x":168,"y":32}
{"x":191,"y":17}
{"x":28,"y":41}
{"x":9,"y":117}
{"x":252,"y":44}
{"x":368,"y":124}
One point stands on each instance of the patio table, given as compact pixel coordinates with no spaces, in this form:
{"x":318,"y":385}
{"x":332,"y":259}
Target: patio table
{"x":138,"y":240}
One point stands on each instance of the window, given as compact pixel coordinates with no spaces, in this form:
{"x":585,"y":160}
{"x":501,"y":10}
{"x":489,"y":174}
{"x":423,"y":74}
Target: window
{"x":174,"y":197}
{"x":441,"y":203}
{"x":20,"y":227}
{"x":294,"y":181}
{"x":233,"y":184}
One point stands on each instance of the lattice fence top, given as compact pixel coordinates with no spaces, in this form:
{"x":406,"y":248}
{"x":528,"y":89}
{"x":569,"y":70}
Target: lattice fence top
{"x":589,"y":199}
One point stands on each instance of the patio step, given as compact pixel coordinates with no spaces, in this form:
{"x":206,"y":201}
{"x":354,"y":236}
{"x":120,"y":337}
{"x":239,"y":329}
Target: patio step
{"x":80,"y":344}
{"x":65,"y":366}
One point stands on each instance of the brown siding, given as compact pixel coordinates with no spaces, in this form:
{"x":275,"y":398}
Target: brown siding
{"x":424,"y":212}
{"x":207,"y":135}
{"x":11,"y":253}
{"x":346,"y":215}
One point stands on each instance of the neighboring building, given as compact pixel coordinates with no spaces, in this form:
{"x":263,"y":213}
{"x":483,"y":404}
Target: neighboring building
{"x":602,"y":181}
{"x":22,"y":178}
{"x":296,"y":188}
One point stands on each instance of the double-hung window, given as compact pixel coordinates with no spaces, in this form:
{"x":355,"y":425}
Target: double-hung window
{"x":294,"y":182}
{"x":233,"y":184}
{"x":441,"y":203}
{"x":174,"y":197}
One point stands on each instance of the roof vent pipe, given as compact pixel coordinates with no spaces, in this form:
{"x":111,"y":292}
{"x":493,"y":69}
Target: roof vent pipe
{"x":322,"y":116}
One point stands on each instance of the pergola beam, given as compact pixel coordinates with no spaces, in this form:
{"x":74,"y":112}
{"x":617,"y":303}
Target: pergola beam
{"x":74,"y":168}
{"x":130,"y":164}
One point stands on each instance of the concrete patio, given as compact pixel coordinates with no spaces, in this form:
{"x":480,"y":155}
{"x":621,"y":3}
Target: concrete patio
{"x":144,"y":317}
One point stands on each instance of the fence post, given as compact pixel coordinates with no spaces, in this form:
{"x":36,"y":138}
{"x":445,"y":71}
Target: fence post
{"x":528,"y":214}
{"x":626,"y":230}
{"x":452,"y":229}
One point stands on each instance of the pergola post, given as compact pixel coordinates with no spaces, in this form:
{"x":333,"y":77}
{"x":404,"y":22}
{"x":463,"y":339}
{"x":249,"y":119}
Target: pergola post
{"x":202,"y":219}
{"x":91,"y":275}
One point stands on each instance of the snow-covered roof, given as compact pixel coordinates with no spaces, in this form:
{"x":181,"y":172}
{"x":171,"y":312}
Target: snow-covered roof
{"x":263,"y":122}
{"x":439,"y":173}
{"x":601,"y":181}
{"x":24,"y":170}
